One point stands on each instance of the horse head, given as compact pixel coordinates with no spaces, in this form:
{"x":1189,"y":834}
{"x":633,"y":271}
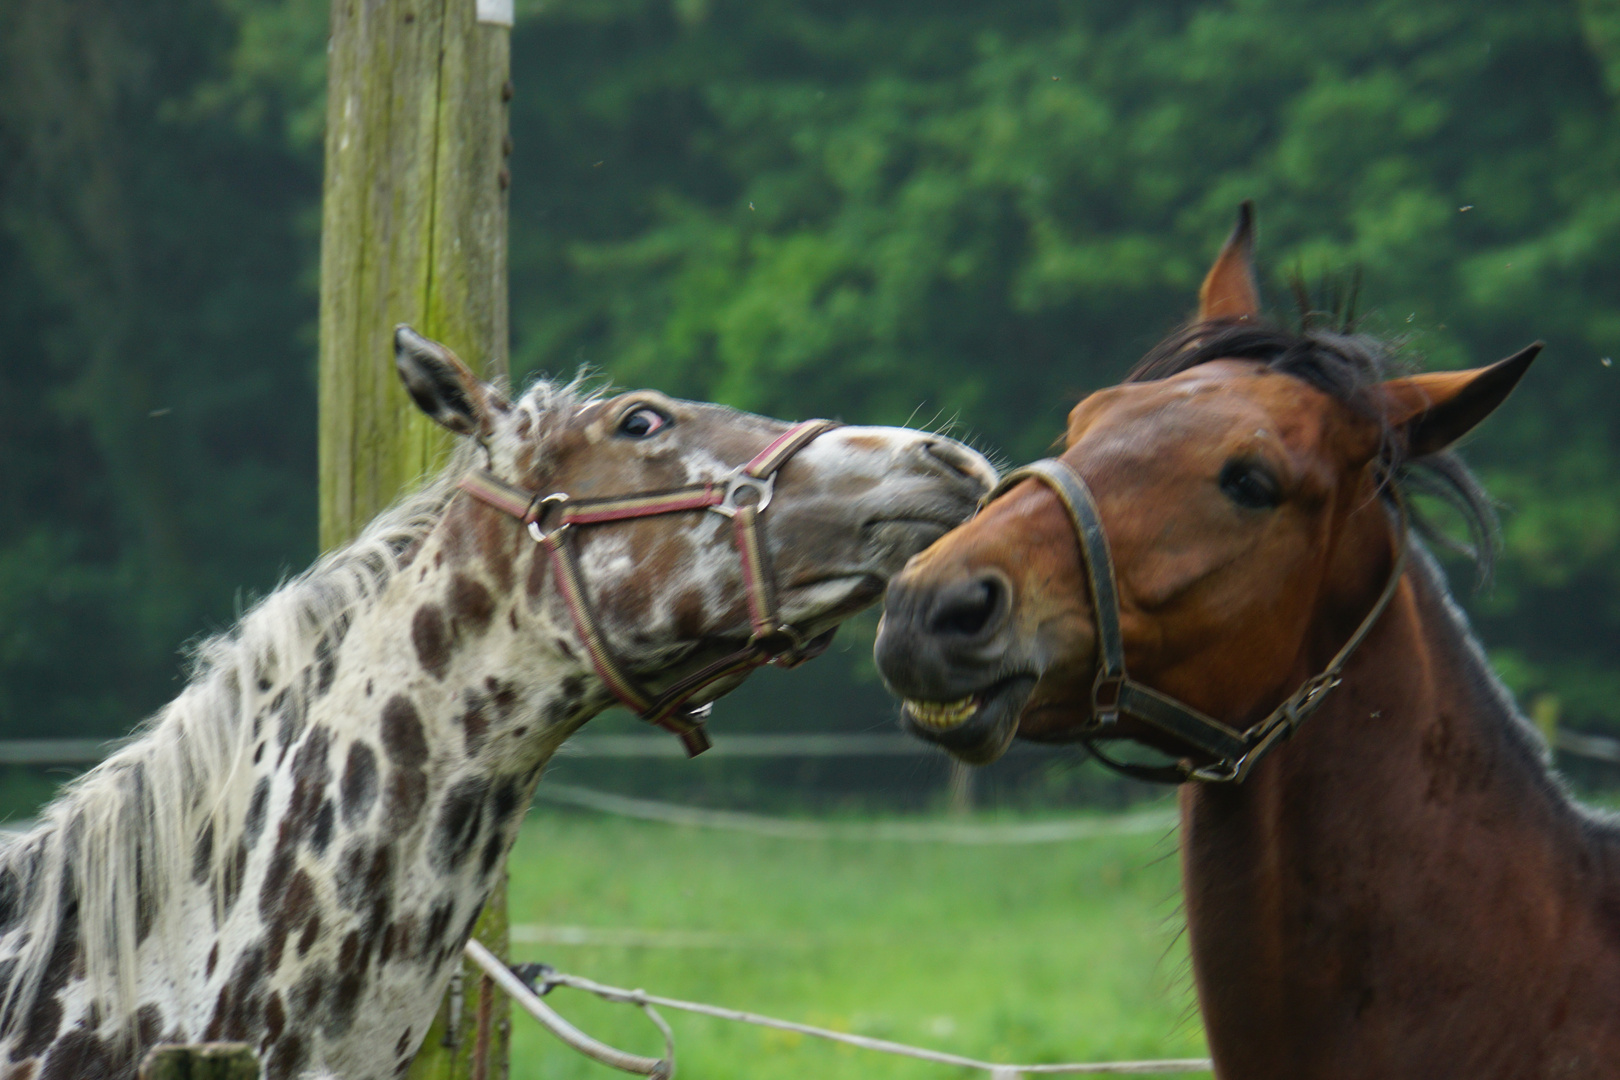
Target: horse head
{"x":615,"y":493}
{"x":1245,"y":481}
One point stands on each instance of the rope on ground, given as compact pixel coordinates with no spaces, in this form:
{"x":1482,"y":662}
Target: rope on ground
{"x":1033,"y":832}
{"x":664,"y":1068}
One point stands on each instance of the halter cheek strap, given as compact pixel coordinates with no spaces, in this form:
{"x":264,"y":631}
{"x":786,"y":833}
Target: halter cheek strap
{"x":551,"y":521}
{"x":1114,"y":693}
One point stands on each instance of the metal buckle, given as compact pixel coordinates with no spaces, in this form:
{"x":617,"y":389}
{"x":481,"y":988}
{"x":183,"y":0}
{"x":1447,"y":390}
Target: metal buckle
{"x":1221,"y":772}
{"x":1105,"y":694}
{"x":1308,"y":697}
{"x":540,"y":536}
{"x":788,"y":657}
{"x":739,"y":482}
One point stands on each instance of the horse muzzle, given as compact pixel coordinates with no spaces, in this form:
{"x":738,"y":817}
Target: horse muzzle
{"x":949,"y":654}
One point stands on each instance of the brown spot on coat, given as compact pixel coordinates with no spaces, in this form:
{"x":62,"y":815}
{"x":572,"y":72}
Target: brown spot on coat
{"x":431,"y":637}
{"x":312,"y":931}
{"x":504,"y":694}
{"x":363,"y":874}
{"x":77,"y":1055}
{"x":275,"y":1019}
{"x":307,"y":994}
{"x":234,"y":877}
{"x":321,"y":834}
{"x":298,"y":904}
{"x":287,"y":1059}
{"x":473,"y":726}
{"x":342,"y":1003}
{"x":359,"y":784}
{"x":402,"y":735}
{"x":471,"y":605}
{"x":258,"y":806}
{"x":148,"y":1024}
{"x":407,"y":792}
{"x":202,"y":855}
{"x":44,"y":1018}
{"x":312,"y":772}
{"x":460,"y":819}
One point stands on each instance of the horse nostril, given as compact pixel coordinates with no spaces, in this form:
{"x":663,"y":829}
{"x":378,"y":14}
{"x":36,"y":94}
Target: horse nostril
{"x":960,"y":460}
{"x":971,"y":610}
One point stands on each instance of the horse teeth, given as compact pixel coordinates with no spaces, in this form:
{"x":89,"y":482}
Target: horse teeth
{"x":940,"y":715}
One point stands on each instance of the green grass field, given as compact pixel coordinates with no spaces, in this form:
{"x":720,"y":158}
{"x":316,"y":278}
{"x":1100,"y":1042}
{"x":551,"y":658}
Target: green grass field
{"x":1037,"y":953}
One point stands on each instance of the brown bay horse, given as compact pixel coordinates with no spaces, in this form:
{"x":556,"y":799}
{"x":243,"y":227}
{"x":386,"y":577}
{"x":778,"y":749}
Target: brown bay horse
{"x":1402,"y":888}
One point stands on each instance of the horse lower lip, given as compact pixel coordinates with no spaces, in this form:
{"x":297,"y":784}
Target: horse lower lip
{"x":943,"y":715}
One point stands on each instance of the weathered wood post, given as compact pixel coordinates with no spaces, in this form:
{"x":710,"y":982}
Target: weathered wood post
{"x":413,"y":230}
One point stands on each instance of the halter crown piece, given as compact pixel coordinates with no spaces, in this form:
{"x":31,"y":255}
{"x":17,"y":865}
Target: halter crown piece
{"x":552,"y":519}
{"x":1115,"y":694}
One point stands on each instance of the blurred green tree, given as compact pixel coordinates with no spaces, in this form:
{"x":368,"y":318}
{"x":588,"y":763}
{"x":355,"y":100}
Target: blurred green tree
{"x":976,"y":214}
{"x":156,"y":397}
{"x":941,"y":212}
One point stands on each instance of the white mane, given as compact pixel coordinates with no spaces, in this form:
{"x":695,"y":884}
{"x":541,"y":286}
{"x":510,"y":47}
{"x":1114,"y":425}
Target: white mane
{"x":118,"y":841}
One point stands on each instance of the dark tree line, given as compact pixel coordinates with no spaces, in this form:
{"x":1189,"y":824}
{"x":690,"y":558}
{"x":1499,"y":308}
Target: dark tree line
{"x":935,"y":211}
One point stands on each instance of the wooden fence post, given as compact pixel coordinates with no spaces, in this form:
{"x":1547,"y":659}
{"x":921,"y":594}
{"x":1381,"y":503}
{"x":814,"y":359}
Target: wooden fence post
{"x":413,"y":230}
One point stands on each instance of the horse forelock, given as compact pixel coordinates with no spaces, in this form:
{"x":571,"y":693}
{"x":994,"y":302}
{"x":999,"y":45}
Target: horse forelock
{"x":96,"y":875}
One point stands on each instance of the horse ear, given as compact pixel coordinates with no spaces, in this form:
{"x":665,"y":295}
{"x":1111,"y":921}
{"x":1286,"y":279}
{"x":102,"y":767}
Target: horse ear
{"x":1440,"y":407}
{"x":441,"y":385}
{"x":1228,"y":291}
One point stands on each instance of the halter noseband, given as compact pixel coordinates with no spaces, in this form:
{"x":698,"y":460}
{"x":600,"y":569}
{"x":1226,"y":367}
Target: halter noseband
{"x":552,"y":519}
{"x":1115,"y":694}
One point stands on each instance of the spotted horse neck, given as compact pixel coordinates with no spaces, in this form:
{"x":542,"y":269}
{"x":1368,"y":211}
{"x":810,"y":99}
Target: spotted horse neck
{"x":293,"y":851}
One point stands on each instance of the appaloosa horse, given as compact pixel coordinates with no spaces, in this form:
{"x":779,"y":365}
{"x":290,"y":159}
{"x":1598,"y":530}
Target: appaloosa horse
{"x":295,"y":850}
{"x":1404,"y":888}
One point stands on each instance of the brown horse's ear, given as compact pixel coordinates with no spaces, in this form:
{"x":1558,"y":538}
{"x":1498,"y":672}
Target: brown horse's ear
{"x":1228,"y":291}
{"x":442,"y":386}
{"x":1440,"y":407}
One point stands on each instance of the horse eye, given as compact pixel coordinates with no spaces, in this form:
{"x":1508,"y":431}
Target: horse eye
{"x":642,"y":422}
{"x":1250,"y":485}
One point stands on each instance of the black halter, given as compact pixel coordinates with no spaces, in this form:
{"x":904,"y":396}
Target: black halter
{"x":1116,"y":694}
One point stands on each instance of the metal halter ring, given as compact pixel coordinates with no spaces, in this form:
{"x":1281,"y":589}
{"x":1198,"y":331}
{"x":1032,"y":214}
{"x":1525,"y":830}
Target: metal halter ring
{"x":763,"y":488}
{"x":556,"y":498}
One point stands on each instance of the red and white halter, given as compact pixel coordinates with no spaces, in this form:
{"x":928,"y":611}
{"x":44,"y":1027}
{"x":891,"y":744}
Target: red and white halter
{"x":551,"y":521}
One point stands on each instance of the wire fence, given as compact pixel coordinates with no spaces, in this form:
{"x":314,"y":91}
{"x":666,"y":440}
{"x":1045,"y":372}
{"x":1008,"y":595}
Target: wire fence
{"x":1158,"y":820}
{"x":644,"y":747}
{"x":663,"y":1068}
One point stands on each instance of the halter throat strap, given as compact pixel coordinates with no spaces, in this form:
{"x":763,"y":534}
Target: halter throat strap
{"x":1234,"y":753}
{"x":551,"y":521}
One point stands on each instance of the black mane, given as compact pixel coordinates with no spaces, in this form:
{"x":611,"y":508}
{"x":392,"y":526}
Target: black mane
{"x":1347,"y":367}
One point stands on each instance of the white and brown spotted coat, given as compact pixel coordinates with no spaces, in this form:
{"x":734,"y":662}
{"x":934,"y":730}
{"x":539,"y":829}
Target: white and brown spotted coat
{"x":377,"y":759}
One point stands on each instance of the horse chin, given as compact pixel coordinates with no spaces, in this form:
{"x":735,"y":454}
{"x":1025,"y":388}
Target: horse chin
{"x":1055,"y":721}
{"x":976,"y":729}
{"x":821,"y":604}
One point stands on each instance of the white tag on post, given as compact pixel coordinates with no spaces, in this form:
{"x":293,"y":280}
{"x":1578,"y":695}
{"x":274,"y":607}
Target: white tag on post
{"x":495,"y":12}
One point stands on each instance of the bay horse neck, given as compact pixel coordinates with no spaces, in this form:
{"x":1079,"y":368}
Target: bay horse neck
{"x":1405,"y":889}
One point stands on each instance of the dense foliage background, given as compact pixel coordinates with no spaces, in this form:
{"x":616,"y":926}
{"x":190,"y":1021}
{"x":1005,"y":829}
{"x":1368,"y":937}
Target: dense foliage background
{"x":936,"y":211}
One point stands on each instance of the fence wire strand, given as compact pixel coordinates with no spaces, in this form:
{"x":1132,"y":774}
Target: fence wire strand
{"x":664,"y":1068}
{"x":1159,"y":819}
